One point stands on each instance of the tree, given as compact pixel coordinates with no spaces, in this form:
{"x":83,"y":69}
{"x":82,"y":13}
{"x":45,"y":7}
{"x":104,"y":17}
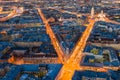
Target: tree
{"x":94,"y":51}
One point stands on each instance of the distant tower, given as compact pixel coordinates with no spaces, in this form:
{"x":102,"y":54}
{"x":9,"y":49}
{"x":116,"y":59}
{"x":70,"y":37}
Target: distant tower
{"x":92,"y":12}
{"x":60,"y":19}
{"x":67,"y":50}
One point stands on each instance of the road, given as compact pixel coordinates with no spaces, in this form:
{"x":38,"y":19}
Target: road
{"x":5,"y":12}
{"x":16,"y":12}
{"x":22,"y":25}
{"x":9,"y":1}
{"x":111,"y":21}
{"x":73,"y":63}
{"x":78,"y":15}
{"x":69,"y":12}
{"x":68,"y":69}
{"x":9,"y":16}
{"x":55,"y":42}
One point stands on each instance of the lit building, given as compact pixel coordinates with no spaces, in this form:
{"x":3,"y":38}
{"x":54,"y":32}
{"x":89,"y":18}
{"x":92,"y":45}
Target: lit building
{"x":101,"y":16}
{"x":92,"y":12}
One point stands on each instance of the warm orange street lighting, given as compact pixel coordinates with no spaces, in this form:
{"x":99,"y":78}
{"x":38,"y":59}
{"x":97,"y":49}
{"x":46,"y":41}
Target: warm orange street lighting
{"x":73,"y":62}
{"x":8,"y":17}
{"x":55,"y":42}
